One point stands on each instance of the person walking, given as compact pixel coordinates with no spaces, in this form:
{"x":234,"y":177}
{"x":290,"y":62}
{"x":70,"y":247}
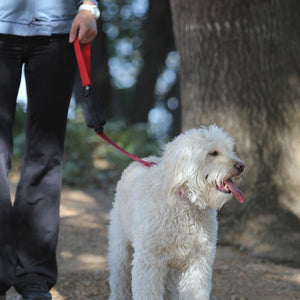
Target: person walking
{"x":39,"y":35}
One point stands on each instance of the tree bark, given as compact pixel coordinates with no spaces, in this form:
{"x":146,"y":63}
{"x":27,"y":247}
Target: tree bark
{"x":240,"y":69}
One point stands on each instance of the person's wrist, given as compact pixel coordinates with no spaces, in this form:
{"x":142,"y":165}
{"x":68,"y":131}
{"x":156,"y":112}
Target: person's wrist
{"x":90,"y":6}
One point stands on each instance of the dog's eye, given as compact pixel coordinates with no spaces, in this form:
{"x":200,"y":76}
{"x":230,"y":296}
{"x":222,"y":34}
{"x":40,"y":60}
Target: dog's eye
{"x":214,"y":153}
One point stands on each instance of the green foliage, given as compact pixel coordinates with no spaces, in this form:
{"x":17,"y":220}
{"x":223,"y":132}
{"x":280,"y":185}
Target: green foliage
{"x":83,"y":148}
{"x":78,"y":152}
{"x":19,"y":136}
{"x":133,"y":139}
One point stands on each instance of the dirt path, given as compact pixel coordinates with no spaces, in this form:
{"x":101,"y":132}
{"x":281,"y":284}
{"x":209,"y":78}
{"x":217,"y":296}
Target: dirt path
{"x":82,"y":261}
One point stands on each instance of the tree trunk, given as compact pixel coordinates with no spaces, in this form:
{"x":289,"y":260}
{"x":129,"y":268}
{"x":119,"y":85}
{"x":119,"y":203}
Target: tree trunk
{"x":159,"y":40}
{"x":240,"y":69}
{"x":100,"y":73}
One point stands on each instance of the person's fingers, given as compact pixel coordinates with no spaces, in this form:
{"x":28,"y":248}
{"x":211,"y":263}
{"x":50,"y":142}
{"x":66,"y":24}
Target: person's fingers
{"x":86,"y":36}
{"x":73,"y":32}
{"x":84,"y":27}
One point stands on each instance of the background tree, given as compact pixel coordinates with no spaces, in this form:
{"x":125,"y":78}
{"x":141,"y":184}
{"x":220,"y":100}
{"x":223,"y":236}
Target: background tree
{"x":240,"y":69}
{"x":100,"y":72}
{"x":141,"y":57}
{"x":157,"y":44}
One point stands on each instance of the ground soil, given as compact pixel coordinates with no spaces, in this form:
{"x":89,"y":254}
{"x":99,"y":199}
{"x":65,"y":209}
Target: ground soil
{"x":82,"y":259}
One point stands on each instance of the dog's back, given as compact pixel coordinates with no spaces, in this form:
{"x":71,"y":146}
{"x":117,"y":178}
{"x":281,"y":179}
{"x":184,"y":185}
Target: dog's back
{"x":136,"y":181}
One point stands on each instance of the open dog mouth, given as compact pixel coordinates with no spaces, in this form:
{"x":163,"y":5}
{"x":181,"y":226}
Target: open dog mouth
{"x":228,"y":186}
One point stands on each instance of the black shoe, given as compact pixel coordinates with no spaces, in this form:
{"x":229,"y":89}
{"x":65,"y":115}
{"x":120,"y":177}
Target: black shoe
{"x":36,"y":291}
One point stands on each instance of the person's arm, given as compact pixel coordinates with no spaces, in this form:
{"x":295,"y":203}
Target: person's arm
{"x":84,"y":25}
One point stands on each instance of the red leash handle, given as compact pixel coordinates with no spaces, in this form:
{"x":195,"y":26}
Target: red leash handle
{"x":83,"y":56}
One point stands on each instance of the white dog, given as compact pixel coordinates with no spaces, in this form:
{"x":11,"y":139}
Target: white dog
{"x":163,"y":230}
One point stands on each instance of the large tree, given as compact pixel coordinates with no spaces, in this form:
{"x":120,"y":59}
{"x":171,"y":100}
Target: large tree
{"x":240,"y":69}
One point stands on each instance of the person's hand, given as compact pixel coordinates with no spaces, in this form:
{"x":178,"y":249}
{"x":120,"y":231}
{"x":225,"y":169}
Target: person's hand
{"x":84,"y":27}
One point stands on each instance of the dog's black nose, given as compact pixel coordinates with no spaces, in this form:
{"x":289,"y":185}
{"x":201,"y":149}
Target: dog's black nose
{"x":240,"y":167}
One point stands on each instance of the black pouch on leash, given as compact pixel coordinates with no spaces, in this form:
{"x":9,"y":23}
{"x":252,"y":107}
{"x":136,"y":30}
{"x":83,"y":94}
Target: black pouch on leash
{"x":90,"y":103}
{"x":92,"y":109}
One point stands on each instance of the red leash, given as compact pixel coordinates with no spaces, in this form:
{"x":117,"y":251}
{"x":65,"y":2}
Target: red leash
{"x":83,"y":56}
{"x":109,"y":141}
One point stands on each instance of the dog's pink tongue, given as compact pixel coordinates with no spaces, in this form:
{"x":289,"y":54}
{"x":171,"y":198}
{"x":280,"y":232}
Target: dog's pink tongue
{"x":238,"y":194}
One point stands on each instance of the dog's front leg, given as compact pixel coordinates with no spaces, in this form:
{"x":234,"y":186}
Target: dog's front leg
{"x":195,"y":280}
{"x":171,"y":285}
{"x":148,"y":275}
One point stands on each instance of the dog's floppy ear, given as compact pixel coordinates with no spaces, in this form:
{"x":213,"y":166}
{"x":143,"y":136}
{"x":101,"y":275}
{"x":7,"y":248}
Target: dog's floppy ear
{"x":179,"y":168}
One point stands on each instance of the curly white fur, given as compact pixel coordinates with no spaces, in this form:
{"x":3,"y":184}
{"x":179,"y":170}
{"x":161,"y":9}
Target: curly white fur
{"x":163,"y":229}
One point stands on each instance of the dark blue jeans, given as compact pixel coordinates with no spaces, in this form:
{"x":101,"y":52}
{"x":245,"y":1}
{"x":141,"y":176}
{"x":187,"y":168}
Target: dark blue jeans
{"x":29,"y":228}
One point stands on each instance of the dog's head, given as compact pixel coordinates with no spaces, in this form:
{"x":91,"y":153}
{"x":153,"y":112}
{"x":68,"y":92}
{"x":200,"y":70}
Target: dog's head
{"x":201,"y":165}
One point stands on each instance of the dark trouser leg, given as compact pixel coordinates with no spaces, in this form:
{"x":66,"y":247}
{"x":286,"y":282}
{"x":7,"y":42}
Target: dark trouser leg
{"x":10,"y":70}
{"x":50,"y":71}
